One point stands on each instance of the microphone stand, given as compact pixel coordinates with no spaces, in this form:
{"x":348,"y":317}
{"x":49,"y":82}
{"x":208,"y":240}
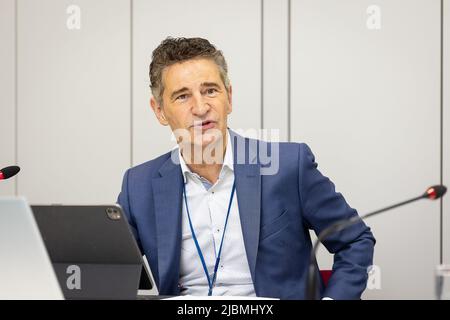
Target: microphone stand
{"x":433,"y":193}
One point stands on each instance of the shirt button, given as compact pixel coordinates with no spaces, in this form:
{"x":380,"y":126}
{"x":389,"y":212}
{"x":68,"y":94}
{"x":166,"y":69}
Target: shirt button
{"x":217,"y":230}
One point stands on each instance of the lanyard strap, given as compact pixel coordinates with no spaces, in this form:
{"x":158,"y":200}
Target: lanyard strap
{"x":211,"y":283}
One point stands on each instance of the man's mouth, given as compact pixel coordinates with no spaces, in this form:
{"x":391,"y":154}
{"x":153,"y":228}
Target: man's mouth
{"x":204,"y":125}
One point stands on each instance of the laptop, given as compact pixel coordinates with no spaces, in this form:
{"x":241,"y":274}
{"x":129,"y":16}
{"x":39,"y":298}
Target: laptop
{"x":93,"y":251}
{"x":26,"y":271}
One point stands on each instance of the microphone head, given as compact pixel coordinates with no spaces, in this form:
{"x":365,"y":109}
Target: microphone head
{"x":9,"y":172}
{"x":435,"y":192}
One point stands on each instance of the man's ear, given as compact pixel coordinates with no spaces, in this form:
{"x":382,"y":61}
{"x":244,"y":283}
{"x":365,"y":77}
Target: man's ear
{"x":159,"y":112}
{"x":230,"y":99}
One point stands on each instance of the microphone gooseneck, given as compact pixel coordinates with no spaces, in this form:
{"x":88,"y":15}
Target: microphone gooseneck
{"x":432,"y":193}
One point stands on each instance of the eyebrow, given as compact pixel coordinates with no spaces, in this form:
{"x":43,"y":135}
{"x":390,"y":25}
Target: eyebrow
{"x":184,"y":89}
{"x":210,"y":84}
{"x":177,"y":92}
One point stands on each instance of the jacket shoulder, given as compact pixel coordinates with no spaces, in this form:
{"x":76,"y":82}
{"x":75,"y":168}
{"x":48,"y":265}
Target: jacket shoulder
{"x":150,"y":167}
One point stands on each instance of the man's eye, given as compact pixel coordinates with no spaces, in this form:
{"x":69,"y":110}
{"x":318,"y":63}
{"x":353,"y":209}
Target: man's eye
{"x":182,"y":97}
{"x":211,"y":91}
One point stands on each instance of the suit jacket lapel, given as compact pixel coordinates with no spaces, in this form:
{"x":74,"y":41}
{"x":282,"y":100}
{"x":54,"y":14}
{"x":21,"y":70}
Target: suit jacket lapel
{"x":248,"y":189}
{"x":167,"y":195}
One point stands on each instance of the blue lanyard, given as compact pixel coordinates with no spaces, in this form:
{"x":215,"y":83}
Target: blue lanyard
{"x":211,"y":283}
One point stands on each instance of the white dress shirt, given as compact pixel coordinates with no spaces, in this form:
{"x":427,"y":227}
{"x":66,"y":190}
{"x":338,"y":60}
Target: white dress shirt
{"x":208,"y":205}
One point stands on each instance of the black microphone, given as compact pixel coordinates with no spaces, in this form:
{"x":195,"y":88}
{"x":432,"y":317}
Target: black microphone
{"x":8,"y":172}
{"x":432,"y":193}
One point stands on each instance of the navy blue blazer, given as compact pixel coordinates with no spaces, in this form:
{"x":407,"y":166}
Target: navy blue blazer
{"x":276,"y":212}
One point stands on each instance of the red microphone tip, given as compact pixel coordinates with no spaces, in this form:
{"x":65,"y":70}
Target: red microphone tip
{"x":435,"y":192}
{"x":431,"y":193}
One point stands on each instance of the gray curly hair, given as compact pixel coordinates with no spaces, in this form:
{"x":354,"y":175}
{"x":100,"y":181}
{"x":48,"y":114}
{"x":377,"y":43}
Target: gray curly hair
{"x":173,"y":50}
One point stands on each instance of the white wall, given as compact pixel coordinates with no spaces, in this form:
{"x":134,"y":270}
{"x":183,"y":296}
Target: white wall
{"x":73,"y":100}
{"x":275,"y":66}
{"x":7,"y":92}
{"x":366,"y":101}
{"x":446,"y":133}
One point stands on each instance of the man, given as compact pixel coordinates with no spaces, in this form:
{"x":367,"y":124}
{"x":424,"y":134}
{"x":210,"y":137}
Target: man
{"x":208,"y":217}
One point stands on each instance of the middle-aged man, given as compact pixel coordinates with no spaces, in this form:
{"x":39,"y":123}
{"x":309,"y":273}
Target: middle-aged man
{"x":212,"y":217}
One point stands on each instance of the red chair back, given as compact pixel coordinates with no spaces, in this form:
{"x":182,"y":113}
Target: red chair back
{"x":325,"y":274}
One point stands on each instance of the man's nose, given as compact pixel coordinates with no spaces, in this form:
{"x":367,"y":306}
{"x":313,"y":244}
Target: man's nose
{"x":200,"y":106}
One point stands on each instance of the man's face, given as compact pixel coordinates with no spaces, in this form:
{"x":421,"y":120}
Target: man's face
{"x":194,"y":99}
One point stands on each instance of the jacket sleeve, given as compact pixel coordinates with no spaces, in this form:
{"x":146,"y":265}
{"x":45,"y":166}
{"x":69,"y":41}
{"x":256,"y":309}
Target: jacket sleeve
{"x":123,"y":201}
{"x":352,"y":247}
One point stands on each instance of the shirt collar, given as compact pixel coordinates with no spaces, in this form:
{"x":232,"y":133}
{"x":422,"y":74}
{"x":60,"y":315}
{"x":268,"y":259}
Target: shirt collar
{"x":227,"y":160}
